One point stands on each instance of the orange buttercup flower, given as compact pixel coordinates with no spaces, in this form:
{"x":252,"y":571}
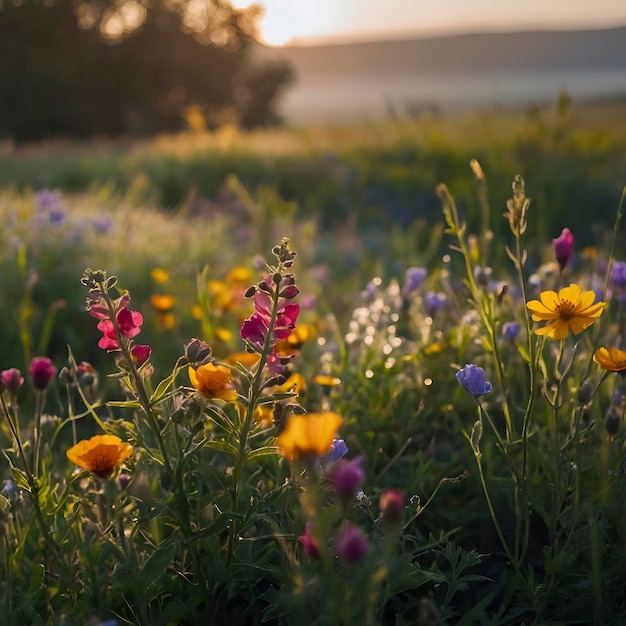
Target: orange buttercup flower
{"x":611,"y":359}
{"x":309,"y":434}
{"x":162,"y":302}
{"x":159,"y":275}
{"x":100,"y":454}
{"x":570,"y":308}
{"x":213,"y":381}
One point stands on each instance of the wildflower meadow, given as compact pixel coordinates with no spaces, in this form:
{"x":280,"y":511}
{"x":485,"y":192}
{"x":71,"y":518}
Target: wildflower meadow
{"x":239,"y":417}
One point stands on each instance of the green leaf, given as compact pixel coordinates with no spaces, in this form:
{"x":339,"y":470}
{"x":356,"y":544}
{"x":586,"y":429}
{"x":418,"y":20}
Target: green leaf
{"x":128,"y":404}
{"x":264,"y":451}
{"x":163,"y":386}
{"x":222,"y":446}
{"x":156,"y":566}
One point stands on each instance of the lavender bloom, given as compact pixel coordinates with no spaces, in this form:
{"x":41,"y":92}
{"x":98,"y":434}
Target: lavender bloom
{"x":618,"y":274}
{"x":413,"y":279}
{"x":433,"y":302}
{"x":510,"y":330}
{"x":46,"y":200}
{"x":472,"y":379}
{"x":102,"y":224}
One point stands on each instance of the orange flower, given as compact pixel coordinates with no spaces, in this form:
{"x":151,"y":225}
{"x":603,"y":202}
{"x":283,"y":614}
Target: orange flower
{"x":570,"y":308}
{"x":309,"y":434}
{"x":100,"y":454}
{"x":611,"y":359}
{"x":247,"y":359}
{"x":213,"y":381}
{"x":162,"y":302}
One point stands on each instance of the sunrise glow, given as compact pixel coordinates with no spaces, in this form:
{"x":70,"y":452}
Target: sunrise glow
{"x":312,"y":21}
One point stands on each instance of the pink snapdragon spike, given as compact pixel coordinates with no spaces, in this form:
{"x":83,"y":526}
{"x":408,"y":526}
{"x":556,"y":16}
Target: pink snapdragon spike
{"x":128,"y":323}
{"x":41,"y":372}
{"x":563,"y":247}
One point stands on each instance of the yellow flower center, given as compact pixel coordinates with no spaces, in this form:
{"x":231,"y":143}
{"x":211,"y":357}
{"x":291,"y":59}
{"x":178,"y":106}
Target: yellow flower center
{"x":565,"y":310}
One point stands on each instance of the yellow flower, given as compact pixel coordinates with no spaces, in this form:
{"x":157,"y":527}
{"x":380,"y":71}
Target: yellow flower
{"x":295,"y":383}
{"x":326,"y":380}
{"x":264,"y":414}
{"x":570,"y":308}
{"x":309,"y":434}
{"x":222,"y":295}
{"x":213,"y":381}
{"x":239,"y":275}
{"x":159,"y":275}
{"x":297,"y":337}
{"x":100,"y":454}
{"x":611,"y":359}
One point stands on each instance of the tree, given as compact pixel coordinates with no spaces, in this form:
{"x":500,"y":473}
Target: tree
{"x":91,"y":67}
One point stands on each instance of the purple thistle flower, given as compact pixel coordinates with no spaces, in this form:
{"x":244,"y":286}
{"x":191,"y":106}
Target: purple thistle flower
{"x":472,"y":379}
{"x":12,"y":380}
{"x":563,"y":245}
{"x":346,"y":477}
{"x":351,"y":544}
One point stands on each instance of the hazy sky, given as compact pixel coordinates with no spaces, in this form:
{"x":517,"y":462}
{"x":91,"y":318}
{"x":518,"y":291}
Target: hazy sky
{"x":366,"y":19}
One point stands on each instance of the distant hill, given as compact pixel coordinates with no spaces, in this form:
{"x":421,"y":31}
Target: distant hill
{"x":339,"y":80}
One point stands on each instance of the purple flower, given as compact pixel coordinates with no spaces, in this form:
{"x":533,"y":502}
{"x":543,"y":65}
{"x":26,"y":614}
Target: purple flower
{"x":41,"y":372}
{"x":413,"y":279}
{"x":510,"y":330}
{"x":563,"y":247}
{"x":12,"y":380}
{"x":618,"y":274}
{"x":351,"y":544}
{"x":46,"y":200}
{"x":472,"y":379}
{"x":338,"y":449}
{"x":433,"y":302}
{"x":102,"y":224}
{"x":346,"y":477}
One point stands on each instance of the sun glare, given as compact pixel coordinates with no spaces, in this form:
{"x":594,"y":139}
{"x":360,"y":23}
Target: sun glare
{"x":285,"y":20}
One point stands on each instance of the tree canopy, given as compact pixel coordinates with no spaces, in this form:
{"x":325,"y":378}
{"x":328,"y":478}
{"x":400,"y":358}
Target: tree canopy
{"x":80,"y":68}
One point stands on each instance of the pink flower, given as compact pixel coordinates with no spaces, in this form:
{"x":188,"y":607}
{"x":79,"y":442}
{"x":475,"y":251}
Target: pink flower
{"x":351,"y":544}
{"x":128,"y":323}
{"x":41,"y":372}
{"x":12,"y":380}
{"x":140,"y":354}
{"x":563,"y":247}
{"x":392,"y":503}
{"x":309,"y":541}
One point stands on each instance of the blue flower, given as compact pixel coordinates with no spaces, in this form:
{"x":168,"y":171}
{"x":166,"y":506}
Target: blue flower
{"x":472,"y":379}
{"x":618,"y":274}
{"x":510,"y":330}
{"x":433,"y":302}
{"x":414,"y":279}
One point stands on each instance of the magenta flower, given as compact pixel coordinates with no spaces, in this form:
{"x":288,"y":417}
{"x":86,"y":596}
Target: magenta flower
{"x":12,"y":380}
{"x":41,"y":372}
{"x":346,"y":477}
{"x":563,"y":247}
{"x":351,"y":544}
{"x":140,"y":354}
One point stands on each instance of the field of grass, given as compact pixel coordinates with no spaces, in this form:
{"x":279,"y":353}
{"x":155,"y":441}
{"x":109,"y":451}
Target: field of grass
{"x":482,"y":478}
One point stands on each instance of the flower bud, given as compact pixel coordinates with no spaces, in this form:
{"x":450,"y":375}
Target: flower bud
{"x":12,"y":379}
{"x":351,"y":544}
{"x":563,"y":247}
{"x":392,"y":503}
{"x":346,"y":477}
{"x":41,"y":372}
{"x":197,"y":352}
{"x":309,"y":542}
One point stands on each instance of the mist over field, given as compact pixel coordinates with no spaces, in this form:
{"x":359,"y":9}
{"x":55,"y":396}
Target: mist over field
{"x":352,"y":82}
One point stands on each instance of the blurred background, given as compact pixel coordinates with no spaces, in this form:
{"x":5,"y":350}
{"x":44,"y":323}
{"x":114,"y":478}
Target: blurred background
{"x":83,"y":68}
